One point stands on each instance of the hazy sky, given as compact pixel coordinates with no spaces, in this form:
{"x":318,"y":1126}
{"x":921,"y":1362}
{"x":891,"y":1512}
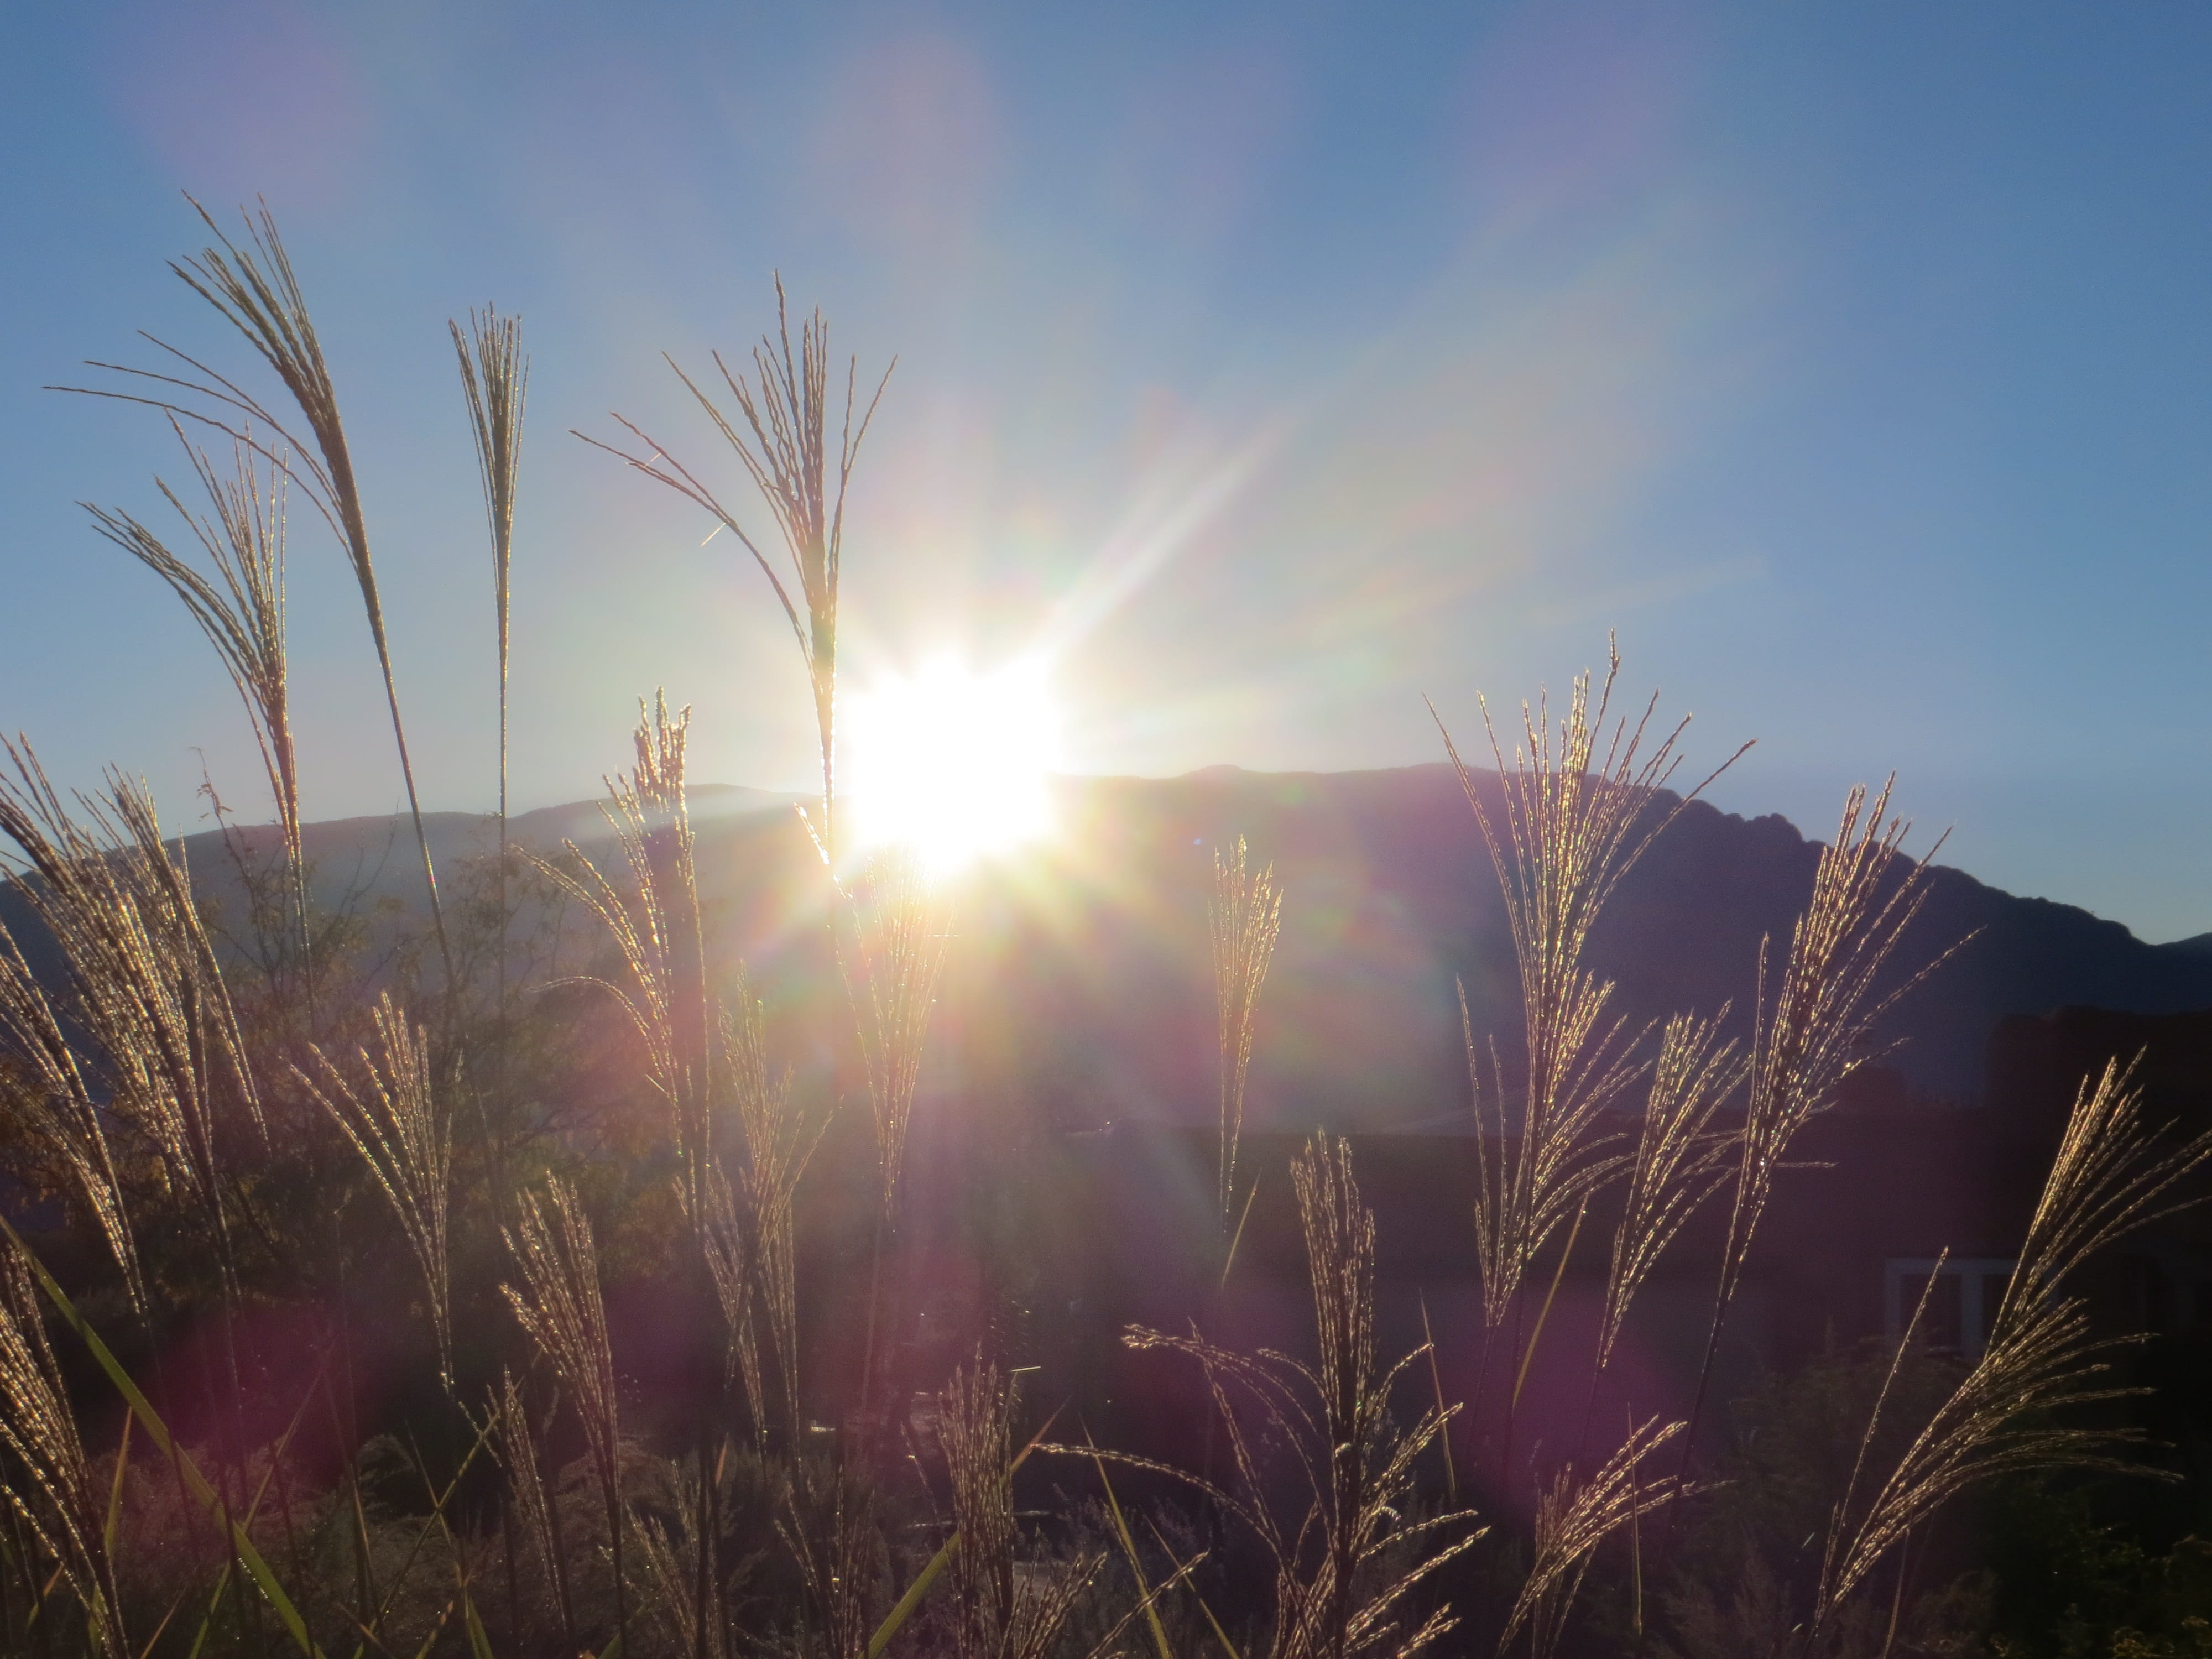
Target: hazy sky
{"x":1281,"y":364}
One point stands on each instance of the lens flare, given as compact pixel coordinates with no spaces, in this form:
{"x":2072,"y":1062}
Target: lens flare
{"x":952,"y":763}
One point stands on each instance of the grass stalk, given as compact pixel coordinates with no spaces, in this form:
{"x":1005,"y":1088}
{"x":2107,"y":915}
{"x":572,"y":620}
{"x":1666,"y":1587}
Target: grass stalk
{"x":495,"y":382}
{"x":242,"y":613}
{"x":1572,"y":1519}
{"x":1332,"y":1425}
{"x":404,"y":1137}
{"x":1245,"y":917}
{"x":253,"y":288}
{"x":2113,"y":1174}
{"x":559,"y":1305}
{"x":783,"y":448}
{"x":1818,"y":1028}
{"x":1578,"y":814}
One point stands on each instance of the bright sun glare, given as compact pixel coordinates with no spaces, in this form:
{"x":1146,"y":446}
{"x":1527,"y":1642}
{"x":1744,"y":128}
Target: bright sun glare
{"x":952,"y":763}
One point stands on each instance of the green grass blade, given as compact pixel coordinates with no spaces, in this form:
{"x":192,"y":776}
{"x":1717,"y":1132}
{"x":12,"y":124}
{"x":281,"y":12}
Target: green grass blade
{"x":1129,"y":1549}
{"x":479,"y":1643}
{"x":162,"y":1629}
{"x":207,"y":1619}
{"x":1219,"y":1634}
{"x":158,"y":1432}
{"x":437,"y":1631}
{"x":907,"y":1603}
{"x":115,"y":1492}
{"x":154,"y":1640}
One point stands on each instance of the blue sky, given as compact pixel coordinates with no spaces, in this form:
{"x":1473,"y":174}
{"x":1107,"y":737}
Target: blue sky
{"x":1281,"y":364}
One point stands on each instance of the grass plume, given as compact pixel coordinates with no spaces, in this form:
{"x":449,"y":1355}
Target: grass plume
{"x":1339,"y":1563}
{"x":1000,"y":1609}
{"x":560,"y":1305}
{"x":1575,"y":821}
{"x":656,"y":933}
{"x":1817,"y":1029}
{"x":1572,"y":1519}
{"x":1678,"y":1162}
{"x":49,"y":1097}
{"x":891,"y":951}
{"x":241,"y":612}
{"x":527,"y":1490}
{"x":56,"y":1494}
{"x":252,"y":287}
{"x":496,"y":381}
{"x":141,"y":979}
{"x":778,"y":1132}
{"x":2113,"y":1174}
{"x":780,"y":435}
{"x":404,"y":1134}
{"x":1245,"y":916}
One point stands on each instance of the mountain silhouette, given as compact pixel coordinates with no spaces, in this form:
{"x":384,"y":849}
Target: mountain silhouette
{"x":1080,"y":980}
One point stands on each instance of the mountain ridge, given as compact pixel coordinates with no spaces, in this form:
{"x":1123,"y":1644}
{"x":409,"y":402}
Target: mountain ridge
{"x":1090,"y":948}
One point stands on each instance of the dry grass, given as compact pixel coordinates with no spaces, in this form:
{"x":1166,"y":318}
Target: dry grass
{"x":241,"y":612}
{"x":744,"y":1228}
{"x":560,"y":1305}
{"x":48,"y":1097}
{"x":2113,"y":1174}
{"x":1000,"y":1611}
{"x":1572,"y":1519}
{"x":1575,"y":821}
{"x":783,"y":448}
{"x":654,"y":925}
{"x":404,"y":1134}
{"x":496,"y":381}
{"x":56,"y":1494}
{"x":780,"y":1132}
{"x":528,"y":1492}
{"x":253,"y":288}
{"x":1341,"y":1572}
{"x":1817,"y":1029}
{"x":142,"y":982}
{"x":679,"y":1558}
{"x":1245,"y":916}
{"x":1679,"y":1162}
{"x":890,"y":951}
{"x":726,"y":1240}
{"x":131,"y":1076}
{"x":831,"y":1528}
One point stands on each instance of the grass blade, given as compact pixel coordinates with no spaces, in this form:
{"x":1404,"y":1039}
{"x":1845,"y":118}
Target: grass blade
{"x":1219,"y":1634}
{"x":158,"y":1432}
{"x":907,"y":1603}
{"x":916,"y":1591}
{"x":1545,"y":1313}
{"x":1129,"y":1549}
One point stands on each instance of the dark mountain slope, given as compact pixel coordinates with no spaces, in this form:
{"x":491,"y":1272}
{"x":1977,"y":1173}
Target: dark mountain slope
{"x":1080,"y":981}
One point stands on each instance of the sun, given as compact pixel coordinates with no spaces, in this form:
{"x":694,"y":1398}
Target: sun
{"x":952,"y":763}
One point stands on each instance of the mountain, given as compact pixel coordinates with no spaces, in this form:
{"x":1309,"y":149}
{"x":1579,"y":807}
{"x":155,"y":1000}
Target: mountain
{"x":1390,"y":898}
{"x":1081,"y":982}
